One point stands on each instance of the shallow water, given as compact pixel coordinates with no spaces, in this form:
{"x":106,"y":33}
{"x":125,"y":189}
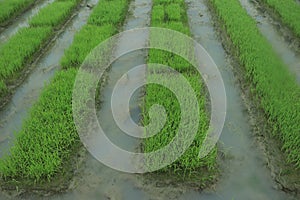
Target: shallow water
{"x":14,"y":113}
{"x":94,"y":180}
{"x":245,"y":175}
{"x":22,"y":21}
{"x":285,"y":49}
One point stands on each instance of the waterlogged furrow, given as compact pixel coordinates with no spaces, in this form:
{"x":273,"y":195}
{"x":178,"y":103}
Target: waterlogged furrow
{"x":286,"y":50}
{"x":272,"y":84}
{"x":19,"y":51}
{"x":172,"y":15}
{"x":289,"y":13}
{"x":21,"y":21}
{"x":48,"y":139}
{"x":102,"y":19}
{"x":11,"y":8}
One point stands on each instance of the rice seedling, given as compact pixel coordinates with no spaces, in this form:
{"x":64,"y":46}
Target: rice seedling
{"x":172,"y":15}
{"x":53,"y":14}
{"x":44,"y":146}
{"x":289,"y":13}
{"x":19,"y":49}
{"x":163,"y":16}
{"x":189,"y":162}
{"x":83,"y":43}
{"x":173,"y":12}
{"x":272,"y":83}
{"x":169,"y":59}
{"x":46,"y":136}
{"x":10,"y":8}
{"x":111,"y":12}
{"x":3,"y":88}
{"x":158,"y":14}
{"x":157,"y":2}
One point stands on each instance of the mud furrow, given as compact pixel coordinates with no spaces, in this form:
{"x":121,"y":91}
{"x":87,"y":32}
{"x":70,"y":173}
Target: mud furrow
{"x":285,"y":47}
{"x":21,"y":21}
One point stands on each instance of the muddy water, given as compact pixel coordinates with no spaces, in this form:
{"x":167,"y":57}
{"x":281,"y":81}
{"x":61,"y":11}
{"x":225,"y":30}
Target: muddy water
{"x":13,"y":114}
{"x":94,"y":180}
{"x":244,"y":175}
{"x":284,"y":47}
{"x":22,"y":21}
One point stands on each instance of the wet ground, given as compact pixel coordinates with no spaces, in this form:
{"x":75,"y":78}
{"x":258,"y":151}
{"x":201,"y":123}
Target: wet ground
{"x":22,"y":21}
{"x":245,"y":174}
{"x":13,"y":114}
{"x":244,"y":171}
{"x":285,"y":47}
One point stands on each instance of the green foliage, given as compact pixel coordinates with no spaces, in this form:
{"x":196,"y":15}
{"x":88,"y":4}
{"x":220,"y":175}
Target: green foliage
{"x":21,"y":47}
{"x":173,"y":12}
{"x":46,"y":137}
{"x":3,"y":88}
{"x":169,"y":13}
{"x":53,"y":14}
{"x":84,"y":43}
{"x":289,"y":12}
{"x":49,"y":135}
{"x":189,"y":162}
{"x":172,"y":15}
{"x":168,"y":59}
{"x":110,"y":12}
{"x":9,"y":8}
{"x":158,"y":14}
{"x":157,"y":2}
{"x":272,"y":83}
{"x":177,"y":26}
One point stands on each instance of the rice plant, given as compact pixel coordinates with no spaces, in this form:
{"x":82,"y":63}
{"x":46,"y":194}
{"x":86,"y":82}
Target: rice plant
{"x":44,"y":146}
{"x":20,"y":48}
{"x":273,"y":85}
{"x":158,"y":14}
{"x":189,"y":162}
{"x":3,"y":88}
{"x":110,"y":12}
{"x":43,"y":142}
{"x":173,"y":12}
{"x":10,"y":8}
{"x":172,"y":15}
{"x":53,"y":14}
{"x":83,"y":43}
{"x":165,"y":2}
{"x":17,"y":53}
{"x":289,"y":13}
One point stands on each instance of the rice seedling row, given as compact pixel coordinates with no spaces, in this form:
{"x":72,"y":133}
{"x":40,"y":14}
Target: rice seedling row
{"x":53,"y":14}
{"x":288,"y":12}
{"x":20,"y":50}
{"x":272,"y":84}
{"x":11,"y":8}
{"x":172,"y":15}
{"x":48,"y":139}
